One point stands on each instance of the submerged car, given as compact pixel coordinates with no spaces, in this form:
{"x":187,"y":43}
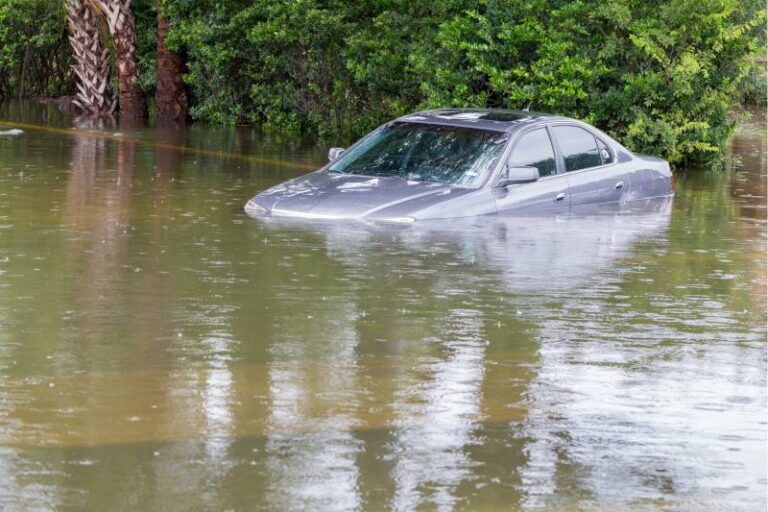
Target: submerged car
{"x":452,"y":163}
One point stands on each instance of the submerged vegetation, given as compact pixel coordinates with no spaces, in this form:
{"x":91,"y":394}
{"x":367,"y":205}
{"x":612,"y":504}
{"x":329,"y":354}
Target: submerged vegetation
{"x":663,"y":77}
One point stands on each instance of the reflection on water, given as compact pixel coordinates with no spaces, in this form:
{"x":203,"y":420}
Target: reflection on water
{"x":313,"y":396}
{"x":159,"y":349}
{"x":437,"y":416}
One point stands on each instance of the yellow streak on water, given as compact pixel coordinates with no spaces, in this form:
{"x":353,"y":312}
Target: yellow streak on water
{"x":153,"y":144}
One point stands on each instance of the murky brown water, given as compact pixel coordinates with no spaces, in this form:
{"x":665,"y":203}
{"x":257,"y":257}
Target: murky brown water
{"x":159,"y":350}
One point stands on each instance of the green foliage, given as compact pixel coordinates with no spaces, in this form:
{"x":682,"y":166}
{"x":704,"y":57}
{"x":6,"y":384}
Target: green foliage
{"x":662,"y":76}
{"x":38,"y":29}
{"x":755,"y":89}
{"x":34,"y":31}
{"x":659,"y":76}
{"x":145,"y":18}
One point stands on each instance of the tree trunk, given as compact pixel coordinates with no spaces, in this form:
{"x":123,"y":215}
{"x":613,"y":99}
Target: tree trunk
{"x":91,"y":66}
{"x":171,"y":95}
{"x":24,"y":66}
{"x":123,"y":30}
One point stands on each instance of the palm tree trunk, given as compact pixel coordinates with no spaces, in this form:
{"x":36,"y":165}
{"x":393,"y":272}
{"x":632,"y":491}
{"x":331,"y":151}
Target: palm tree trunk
{"x":171,"y":95}
{"x":123,"y":30}
{"x":94,"y":96}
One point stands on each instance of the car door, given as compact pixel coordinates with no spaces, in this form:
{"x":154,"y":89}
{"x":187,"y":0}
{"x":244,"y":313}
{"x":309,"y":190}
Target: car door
{"x":548,"y":194}
{"x":593,"y":176}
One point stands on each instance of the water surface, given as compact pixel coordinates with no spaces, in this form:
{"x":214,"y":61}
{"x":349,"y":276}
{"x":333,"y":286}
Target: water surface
{"x":161,"y":350}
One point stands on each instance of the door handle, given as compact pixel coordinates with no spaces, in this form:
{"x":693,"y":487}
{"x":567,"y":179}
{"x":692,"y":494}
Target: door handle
{"x":619,"y":185}
{"x":560,"y":196}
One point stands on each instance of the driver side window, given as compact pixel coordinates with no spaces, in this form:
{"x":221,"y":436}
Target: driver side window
{"x":534,"y":149}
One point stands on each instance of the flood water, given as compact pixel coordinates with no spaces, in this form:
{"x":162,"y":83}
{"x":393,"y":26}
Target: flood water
{"x":160,"y":350}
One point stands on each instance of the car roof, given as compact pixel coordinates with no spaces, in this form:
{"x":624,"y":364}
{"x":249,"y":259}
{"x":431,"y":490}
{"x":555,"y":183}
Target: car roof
{"x":500,"y":120}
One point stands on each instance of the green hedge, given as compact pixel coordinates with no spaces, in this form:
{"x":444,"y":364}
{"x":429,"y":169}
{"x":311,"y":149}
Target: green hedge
{"x":35,"y":29}
{"x":663,"y":77}
{"x":660,"y":76}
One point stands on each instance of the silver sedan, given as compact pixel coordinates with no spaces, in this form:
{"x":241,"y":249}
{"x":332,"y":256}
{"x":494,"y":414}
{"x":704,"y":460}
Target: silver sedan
{"x":444,"y":164}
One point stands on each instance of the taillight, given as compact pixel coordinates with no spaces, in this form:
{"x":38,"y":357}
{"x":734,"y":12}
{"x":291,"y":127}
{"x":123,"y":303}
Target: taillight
{"x":672,"y":182}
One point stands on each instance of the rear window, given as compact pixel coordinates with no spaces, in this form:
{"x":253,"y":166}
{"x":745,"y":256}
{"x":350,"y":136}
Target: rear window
{"x":579,"y":148}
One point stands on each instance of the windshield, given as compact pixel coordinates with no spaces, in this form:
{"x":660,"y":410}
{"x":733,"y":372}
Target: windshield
{"x":425,"y":152}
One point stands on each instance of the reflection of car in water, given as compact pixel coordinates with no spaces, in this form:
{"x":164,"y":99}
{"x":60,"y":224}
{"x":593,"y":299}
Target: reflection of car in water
{"x":435,"y":309}
{"x":462,"y":163}
{"x":531,"y":253}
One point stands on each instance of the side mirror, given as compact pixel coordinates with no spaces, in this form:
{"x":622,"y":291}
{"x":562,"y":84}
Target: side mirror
{"x":515,"y":175}
{"x":335,"y":153}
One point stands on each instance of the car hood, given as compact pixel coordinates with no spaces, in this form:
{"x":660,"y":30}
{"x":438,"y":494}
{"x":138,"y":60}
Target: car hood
{"x":334,"y":195}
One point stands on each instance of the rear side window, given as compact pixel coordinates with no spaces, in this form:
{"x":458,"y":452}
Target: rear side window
{"x":534,"y":149}
{"x":578,"y":146}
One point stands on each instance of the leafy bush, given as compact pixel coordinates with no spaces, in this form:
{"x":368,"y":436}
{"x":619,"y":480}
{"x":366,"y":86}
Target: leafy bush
{"x":755,"y":88}
{"x":145,"y":18}
{"x":663,"y":77}
{"x":34,"y":31}
{"x":660,"y":76}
